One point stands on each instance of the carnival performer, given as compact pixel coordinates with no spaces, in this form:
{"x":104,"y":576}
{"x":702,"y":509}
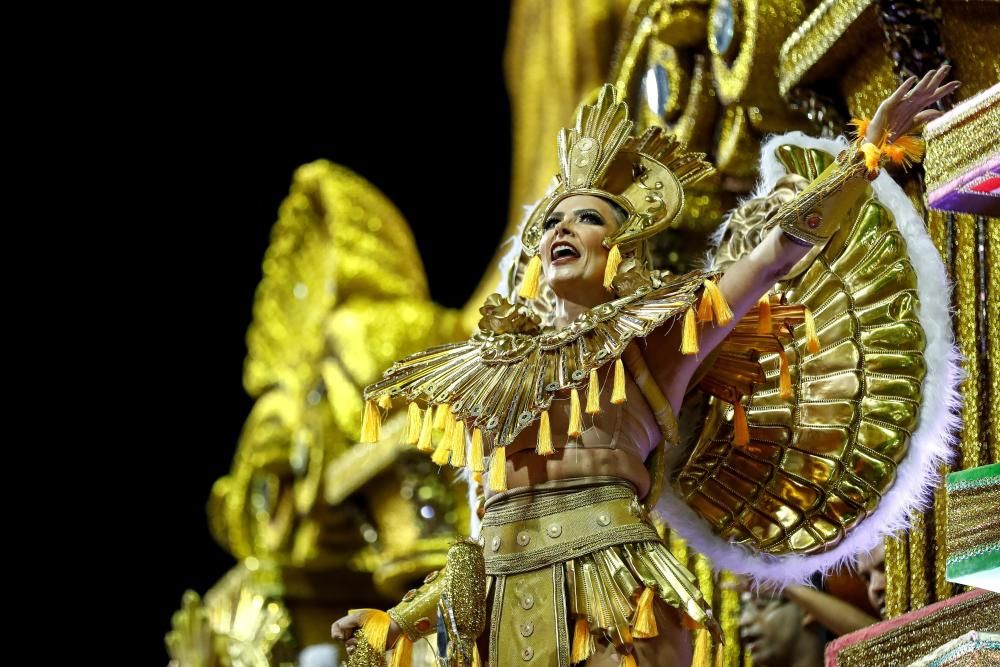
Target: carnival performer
{"x":564,"y":403}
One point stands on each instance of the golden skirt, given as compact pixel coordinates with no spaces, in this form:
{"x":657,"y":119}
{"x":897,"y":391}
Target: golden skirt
{"x":569,"y":561}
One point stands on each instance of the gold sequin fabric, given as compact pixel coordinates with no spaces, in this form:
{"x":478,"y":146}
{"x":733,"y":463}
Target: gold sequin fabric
{"x":967,"y":137}
{"x":973,"y":528}
{"x":920,"y":636}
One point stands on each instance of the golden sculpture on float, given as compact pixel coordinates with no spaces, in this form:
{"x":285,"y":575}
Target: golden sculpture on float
{"x":305,"y":506}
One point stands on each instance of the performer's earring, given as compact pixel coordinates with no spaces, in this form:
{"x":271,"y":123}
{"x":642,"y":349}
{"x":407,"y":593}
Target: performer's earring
{"x":532,"y":275}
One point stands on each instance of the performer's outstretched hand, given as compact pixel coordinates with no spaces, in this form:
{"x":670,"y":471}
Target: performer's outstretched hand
{"x":907,"y":107}
{"x":344,"y":629}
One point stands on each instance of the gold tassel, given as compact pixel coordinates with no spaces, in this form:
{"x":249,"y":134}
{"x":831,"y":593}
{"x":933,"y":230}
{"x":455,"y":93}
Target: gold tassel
{"x":741,"y":429}
{"x":785,"y":379}
{"x":723,"y":314}
{"x":583,"y":641}
{"x":611,"y":268}
{"x":426,"y":432}
{"x":575,"y":425}
{"x":375,"y":625}
{"x":371,"y":423}
{"x":705,"y":307}
{"x":812,"y":340}
{"x":449,"y":426}
{"x":532,"y":274}
{"x":720,"y":656}
{"x":702,"y":650}
{"x":442,"y":454}
{"x":618,"y":392}
{"x":545,"y":436}
{"x":476,"y":660}
{"x":441,"y":417}
{"x":644,"y":625}
{"x":627,"y":661}
{"x":385,"y":402}
{"x":402,"y":654}
{"x":456,"y":433}
{"x":872,"y":156}
{"x":689,"y":340}
{"x":458,"y":444}
{"x":593,"y":395}
{"x":764,"y":315}
{"x":476,"y":452}
{"x":413,"y":425}
{"x":498,"y":470}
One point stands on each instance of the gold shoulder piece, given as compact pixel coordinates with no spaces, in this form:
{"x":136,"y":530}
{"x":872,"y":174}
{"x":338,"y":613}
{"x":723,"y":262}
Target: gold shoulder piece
{"x":500,"y":383}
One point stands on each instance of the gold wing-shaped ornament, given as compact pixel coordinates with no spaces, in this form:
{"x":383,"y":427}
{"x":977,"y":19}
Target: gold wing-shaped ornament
{"x":500,"y":381}
{"x":837,"y":460}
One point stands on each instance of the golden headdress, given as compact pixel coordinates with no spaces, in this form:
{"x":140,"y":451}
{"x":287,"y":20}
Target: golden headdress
{"x":644,"y":175}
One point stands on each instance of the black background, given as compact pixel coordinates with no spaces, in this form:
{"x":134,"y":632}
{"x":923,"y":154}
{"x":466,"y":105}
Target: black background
{"x":410,"y":97}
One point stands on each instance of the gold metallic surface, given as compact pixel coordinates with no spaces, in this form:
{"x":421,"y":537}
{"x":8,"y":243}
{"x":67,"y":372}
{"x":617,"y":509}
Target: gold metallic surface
{"x":897,"y":580}
{"x":667,"y":57}
{"x":803,"y":55}
{"x":970,"y":32}
{"x":529,"y":597}
{"x":500,"y":383}
{"x":750,"y":76}
{"x":519,"y":540}
{"x":918,"y":561}
{"x":942,"y":587}
{"x":808,"y":216}
{"x":696,"y":122}
{"x":967,"y":337}
{"x":853,"y":408}
{"x":937,"y":227}
{"x":462,"y":607}
{"x":966,"y":139}
{"x":644,"y":174}
{"x":682,"y":23}
{"x":736,"y":152}
{"x":993,"y":339}
{"x":364,"y":655}
{"x":239,"y":623}
{"x":604,"y":575}
{"x":919,"y":637}
{"x":422,"y":603}
{"x":867,"y":80}
{"x":729,"y":618}
{"x":341,"y":265}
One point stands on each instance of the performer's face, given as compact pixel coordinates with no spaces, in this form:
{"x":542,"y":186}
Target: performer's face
{"x":772,"y":628}
{"x":872,"y":567}
{"x":573,"y":257}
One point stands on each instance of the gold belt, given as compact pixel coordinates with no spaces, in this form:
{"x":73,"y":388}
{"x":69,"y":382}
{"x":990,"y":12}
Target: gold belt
{"x":533,"y":527}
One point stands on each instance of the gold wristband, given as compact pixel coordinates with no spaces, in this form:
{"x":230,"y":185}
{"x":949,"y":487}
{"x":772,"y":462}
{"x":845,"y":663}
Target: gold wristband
{"x":416,"y":614}
{"x":800,"y":218}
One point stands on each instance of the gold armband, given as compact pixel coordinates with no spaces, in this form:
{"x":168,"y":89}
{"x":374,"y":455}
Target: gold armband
{"x":806,"y":220}
{"x":416,"y":614}
{"x":802,"y":219}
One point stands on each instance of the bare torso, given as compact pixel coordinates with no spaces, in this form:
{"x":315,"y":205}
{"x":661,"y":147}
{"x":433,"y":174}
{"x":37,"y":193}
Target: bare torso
{"x":526,"y":468}
{"x":614,"y":442}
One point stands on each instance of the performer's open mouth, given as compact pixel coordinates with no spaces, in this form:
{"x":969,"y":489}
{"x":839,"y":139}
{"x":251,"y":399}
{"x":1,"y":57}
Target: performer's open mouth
{"x":563,"y":252}
{"x":751,"y":641}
